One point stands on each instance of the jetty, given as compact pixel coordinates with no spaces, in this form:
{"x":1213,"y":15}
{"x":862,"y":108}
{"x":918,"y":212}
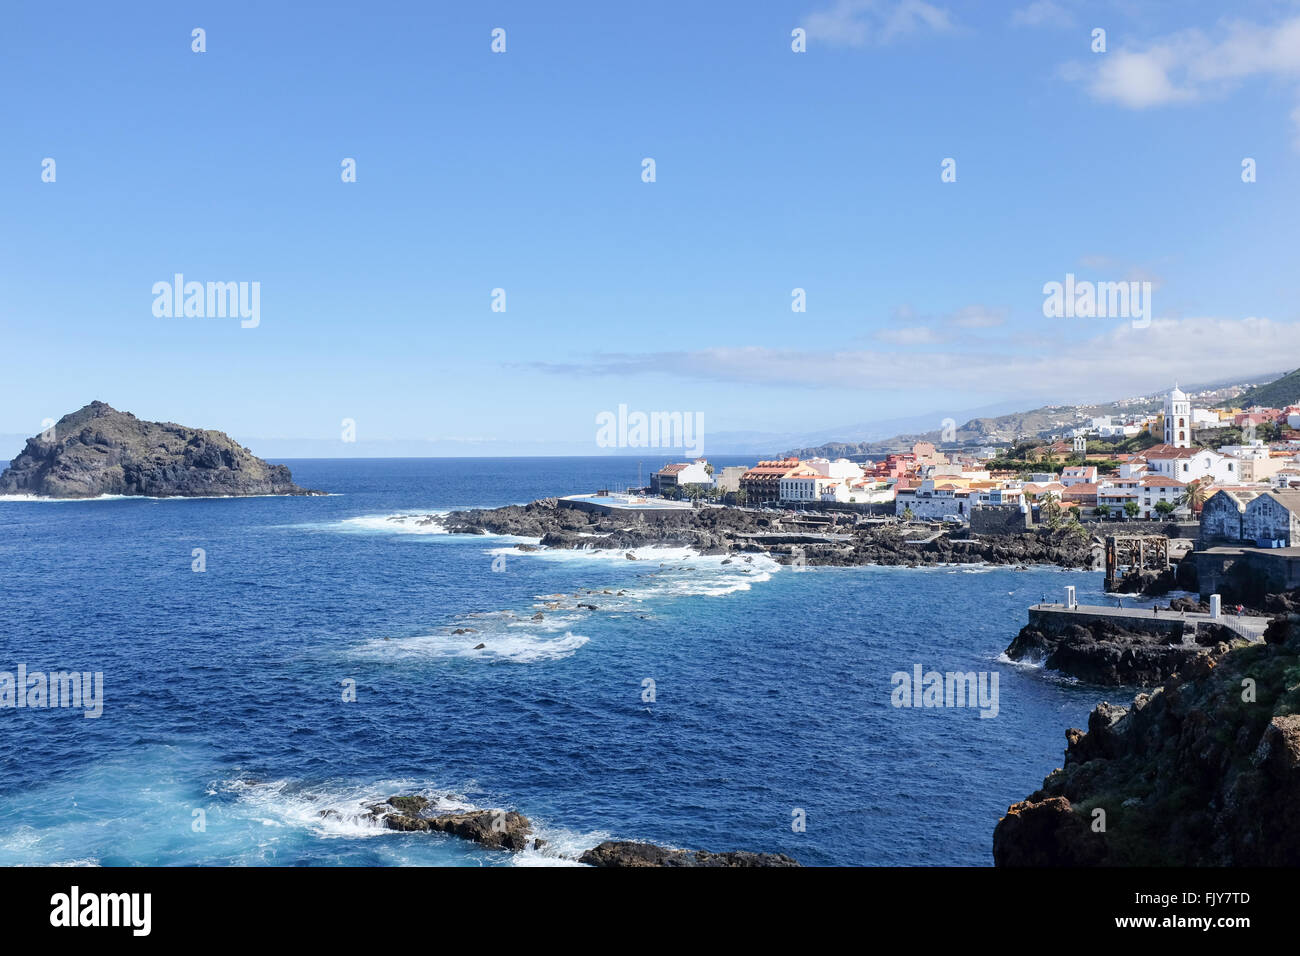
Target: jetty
{"x":1180,"y":627}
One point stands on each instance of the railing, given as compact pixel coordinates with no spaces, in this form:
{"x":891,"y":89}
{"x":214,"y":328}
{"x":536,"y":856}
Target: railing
{"x":1252,"y":632}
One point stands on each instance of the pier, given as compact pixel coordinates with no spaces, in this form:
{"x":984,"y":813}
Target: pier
{"x":1179,"y":626}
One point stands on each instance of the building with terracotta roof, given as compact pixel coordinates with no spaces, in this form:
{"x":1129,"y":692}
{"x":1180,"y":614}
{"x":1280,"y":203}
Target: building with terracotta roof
{"x":1083,"y":494}
{"x":681,"y":474}
{"x":1078,"y":474}
{"x":1185,"y":464}
{"x":762,"y":483}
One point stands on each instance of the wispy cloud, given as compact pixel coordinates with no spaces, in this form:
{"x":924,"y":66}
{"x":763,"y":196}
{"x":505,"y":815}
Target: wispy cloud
{"x":1119,"y":361}
{"x":1191,"y":65}
{"x":914,"y":328}
{"x":859,"y":23}
{"x":1043,"y":13}
{"x":1121,"y":269}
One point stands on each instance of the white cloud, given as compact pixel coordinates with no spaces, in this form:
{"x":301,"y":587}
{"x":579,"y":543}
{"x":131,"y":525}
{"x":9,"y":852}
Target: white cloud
{"x":1116,"y":359}
{"x":1191,"y":65}
{"x":977,"y":317}
{"x":860,"y":23}
{"x":910,"y":335}
{"x":917,"y":329}
{"x":1139,"y":80}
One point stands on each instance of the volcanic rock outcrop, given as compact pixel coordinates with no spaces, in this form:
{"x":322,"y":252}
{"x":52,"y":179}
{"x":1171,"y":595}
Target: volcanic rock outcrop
{"x":98,"y":450}
{"x":1205,"y":771}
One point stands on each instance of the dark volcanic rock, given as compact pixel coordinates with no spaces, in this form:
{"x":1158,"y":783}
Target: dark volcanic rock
{"x":622,"y":853}
{"x":1104,"y":652}
{"x":491,"y":828}
{"x":495,"y":829}
{"x":1046,"y":833}
{"x":730,"y":531}
{"x":1150,"y":583}
{"x":507,"y":830}
{"x":101,"y":451}
{"x":1205,"y":771}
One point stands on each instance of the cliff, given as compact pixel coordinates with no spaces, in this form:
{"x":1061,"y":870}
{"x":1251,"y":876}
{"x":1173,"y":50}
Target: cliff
{"x":98,"y":450}
{"x":1205,"y":771}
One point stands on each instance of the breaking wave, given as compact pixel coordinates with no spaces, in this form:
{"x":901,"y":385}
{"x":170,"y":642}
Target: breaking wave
{"x":484,"y":645}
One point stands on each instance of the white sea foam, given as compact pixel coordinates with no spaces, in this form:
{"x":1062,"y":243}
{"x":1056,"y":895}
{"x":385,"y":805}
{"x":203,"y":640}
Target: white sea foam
{"x":562,"y":846}
{"x":422,"y":522}
{"x":342,"y":811}
{"x":329,"y":811}
{"x":515,"y":647}
{"x":395,"y":524}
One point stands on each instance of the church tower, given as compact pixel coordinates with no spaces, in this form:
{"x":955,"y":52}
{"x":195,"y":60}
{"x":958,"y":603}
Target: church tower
{"x":1178,"y":419}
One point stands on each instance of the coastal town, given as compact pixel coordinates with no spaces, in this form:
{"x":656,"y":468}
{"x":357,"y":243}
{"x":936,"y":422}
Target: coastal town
{"x":1178,"y":464}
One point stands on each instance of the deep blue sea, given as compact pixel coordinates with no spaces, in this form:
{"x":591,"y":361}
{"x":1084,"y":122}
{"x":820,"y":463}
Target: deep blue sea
{"x":224,"y":732}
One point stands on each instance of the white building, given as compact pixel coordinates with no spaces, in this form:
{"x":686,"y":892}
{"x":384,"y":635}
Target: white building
{"x":839,"y":468}
{"x":1178,"y":419}
{"x":1184,"y":464}
{"x":1124,"y":430}
{"x":1158,"y":488}
{"x":934,"y":502}
{"x":681,"y":474}
{"x":1205,"y":418}
{"x":819,"y":479}
{"x":1078,"y":475}
{"x":1252,"y":451}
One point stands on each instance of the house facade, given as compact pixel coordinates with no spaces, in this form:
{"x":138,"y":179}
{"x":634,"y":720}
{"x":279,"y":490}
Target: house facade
{"x":1273,"y":519}
{"x":931,"y":502}
{"x":1223,"y":516}
{"x":762,"y":483}
{"x":681,"y":474}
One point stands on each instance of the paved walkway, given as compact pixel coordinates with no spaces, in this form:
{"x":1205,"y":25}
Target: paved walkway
{"x":1244,"y":624}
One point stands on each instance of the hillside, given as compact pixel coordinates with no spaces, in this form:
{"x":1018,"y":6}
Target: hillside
{"x":1042,"y":422}
{"x":98,"y":450}
{"x":1278,"y":393}
{"x":1204,"y":771}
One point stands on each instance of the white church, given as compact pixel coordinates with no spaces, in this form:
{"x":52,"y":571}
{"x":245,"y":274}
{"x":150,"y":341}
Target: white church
{"x":1178,"y":419}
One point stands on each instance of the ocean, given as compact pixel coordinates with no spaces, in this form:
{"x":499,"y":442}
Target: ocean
{"x":701,"y":704}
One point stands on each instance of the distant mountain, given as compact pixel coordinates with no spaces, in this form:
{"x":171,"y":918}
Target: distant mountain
{"x":98,"y":450}
{"x":1043,"y":422}
{"x":1278,"y":393}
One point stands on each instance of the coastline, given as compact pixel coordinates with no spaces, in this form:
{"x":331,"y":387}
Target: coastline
{"x":783,"y":536}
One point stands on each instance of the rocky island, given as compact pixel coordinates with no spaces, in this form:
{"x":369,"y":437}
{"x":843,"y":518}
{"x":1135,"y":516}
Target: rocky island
{"x":98,"y":450}
{"x":1203,"y":771}
{"x":838,"y":540}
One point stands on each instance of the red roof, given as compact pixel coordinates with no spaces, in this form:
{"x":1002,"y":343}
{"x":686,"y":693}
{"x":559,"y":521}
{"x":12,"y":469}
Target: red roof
{"x":1160,"y":481}
{"x":1165,"y":452}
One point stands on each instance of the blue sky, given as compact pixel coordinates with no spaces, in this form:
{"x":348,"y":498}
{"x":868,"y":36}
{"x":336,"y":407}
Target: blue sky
{"x":775,"y":170}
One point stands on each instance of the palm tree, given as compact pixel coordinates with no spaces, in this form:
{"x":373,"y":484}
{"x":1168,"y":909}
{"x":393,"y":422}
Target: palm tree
{"x":1048,"y":508}
{"x":1195,"y":495}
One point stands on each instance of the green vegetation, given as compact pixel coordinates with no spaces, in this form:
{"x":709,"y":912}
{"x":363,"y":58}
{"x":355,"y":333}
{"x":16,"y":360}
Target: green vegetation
{"x":1278,"y":393}
{"x":1017,"y":458}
